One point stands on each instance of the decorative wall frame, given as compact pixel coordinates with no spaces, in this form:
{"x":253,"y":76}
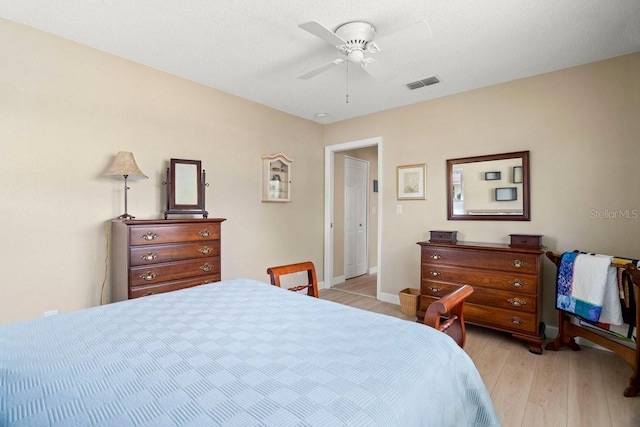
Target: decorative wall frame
{"x":517,"y":175}
{"x":412,"y":182}
{"x":492,"y":176}
{"x":506,"y":194}
{"x":276,"y":178}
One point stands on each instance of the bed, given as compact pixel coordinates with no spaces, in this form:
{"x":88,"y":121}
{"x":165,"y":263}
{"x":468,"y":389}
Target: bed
{"x":238,"y":353}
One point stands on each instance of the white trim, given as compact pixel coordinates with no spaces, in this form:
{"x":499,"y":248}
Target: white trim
{"x":329,"y":151}
{"x":338,"y":280}
{"x":373,"y":270}
{"x":390,"y":298}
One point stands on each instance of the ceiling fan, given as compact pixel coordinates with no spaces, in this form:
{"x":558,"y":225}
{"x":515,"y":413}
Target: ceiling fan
{"x":355,"y":40}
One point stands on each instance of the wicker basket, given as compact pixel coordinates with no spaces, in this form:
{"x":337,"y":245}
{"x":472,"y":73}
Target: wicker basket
{"x":409,"y":301}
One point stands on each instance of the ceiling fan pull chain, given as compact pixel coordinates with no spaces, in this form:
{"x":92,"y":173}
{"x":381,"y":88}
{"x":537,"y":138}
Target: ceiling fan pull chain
{"x":347,"y":96}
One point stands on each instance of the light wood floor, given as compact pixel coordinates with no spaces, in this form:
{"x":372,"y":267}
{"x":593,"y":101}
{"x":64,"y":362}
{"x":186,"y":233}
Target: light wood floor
{"x":563,"y":388}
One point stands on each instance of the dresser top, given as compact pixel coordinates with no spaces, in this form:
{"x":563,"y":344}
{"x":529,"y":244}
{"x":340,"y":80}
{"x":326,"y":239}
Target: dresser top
{"x":168,"y":221}
{"x":484,"y":246}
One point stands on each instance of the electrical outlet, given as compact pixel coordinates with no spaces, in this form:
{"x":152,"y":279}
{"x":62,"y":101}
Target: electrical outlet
{"x":399,"y":209}
{"x":50,"y":313}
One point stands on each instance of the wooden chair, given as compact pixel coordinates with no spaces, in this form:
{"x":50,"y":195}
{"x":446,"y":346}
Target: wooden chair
{"x":282,"y":270}
{"x":453,"y":305}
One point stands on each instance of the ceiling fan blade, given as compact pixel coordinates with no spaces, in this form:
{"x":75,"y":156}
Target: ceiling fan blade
{"x":420,"y":31}
{"x":376,"y":70}
{"x":321,"y":68}
{"x":319,"y":30}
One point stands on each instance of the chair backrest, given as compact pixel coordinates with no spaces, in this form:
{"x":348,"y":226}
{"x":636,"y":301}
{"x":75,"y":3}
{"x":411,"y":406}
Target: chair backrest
{"x":312,"y":282}
{"x":452,"y":305}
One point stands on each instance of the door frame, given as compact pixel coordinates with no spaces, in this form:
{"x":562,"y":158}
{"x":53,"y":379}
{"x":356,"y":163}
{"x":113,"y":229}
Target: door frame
{"x":329,"y":159}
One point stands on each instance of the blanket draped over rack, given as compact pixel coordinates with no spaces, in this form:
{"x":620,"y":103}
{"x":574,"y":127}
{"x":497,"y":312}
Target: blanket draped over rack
{"x":586,"y":287}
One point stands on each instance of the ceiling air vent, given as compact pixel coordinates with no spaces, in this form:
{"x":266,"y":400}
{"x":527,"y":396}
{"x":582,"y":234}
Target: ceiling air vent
{"x":422,"y":83}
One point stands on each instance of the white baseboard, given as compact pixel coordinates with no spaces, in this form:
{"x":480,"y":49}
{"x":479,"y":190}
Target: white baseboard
{"x":373,"y":270}
{"x":338,"y":280}
{"x":550,"y":331}
{"x":390,"y":298}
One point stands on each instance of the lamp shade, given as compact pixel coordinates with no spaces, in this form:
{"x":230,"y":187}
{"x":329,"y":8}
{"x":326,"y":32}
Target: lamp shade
{"x":124,"y":165}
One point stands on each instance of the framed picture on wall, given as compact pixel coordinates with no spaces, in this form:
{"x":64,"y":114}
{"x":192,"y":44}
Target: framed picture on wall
{"x":411,"y":182}
{"x":516,"y":174}
{"x":492,"y":176}
{"x":506,"y":194}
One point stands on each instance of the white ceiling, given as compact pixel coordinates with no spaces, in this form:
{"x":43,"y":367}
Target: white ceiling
{"x":255,"y":50}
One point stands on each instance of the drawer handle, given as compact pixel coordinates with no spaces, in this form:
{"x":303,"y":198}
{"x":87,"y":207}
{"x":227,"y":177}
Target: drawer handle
{"x":516,"y":320}
{"x":148,"y":276}
{"x":435,"y":256}
{"x":517,"y":283}
{"x":149,"y":256}
{"x":434,"y":289}
{"x":205,"y":233}
{"x":517,"y":302}
{"x":435,"y":273}
{"x":149,"y":236}
{"x":205,"y":250}
{"x":206,"y":267}
{"x":518,"y":263}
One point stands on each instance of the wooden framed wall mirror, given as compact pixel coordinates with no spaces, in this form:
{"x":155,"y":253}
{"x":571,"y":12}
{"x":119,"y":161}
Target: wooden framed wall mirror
{"x":493,"y":187}
{"x":185,"y":188}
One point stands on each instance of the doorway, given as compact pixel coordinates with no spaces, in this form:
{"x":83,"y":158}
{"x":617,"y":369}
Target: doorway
{"x":375,"y":204}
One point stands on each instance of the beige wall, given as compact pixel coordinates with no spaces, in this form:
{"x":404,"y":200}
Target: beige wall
{"x":582,"y":128}
{"x":369,"y":154}
{"x":66,"y":109}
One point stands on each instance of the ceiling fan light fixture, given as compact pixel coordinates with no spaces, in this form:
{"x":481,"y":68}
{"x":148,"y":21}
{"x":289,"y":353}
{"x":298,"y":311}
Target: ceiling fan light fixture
{"x":355,"y":56}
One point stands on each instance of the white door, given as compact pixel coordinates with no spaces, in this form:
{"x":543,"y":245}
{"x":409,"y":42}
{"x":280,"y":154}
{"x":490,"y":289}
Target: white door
{"x":356,"y":177}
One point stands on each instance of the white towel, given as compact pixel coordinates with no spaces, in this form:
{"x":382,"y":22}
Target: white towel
{"x":611,"y":308}
{"x":594,"y":281}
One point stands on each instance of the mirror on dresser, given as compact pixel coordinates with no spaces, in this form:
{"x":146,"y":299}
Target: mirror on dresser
{"x":185,"y":188}
{"x":491,"y":187}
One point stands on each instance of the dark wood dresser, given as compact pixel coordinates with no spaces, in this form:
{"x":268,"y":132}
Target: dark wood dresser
{"x":507,"y":284}
{"x":154,"y":256}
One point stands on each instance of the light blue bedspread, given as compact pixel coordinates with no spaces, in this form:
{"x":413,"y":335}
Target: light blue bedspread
{"x":235,"y":353}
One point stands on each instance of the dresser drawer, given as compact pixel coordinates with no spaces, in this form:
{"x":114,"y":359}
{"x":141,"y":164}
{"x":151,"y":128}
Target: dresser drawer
{"x":145,"y":290}
{"x":173,"y":233}
{"x":507,"y":320}
{"x":473,"y":258}
{"x":155,"y":273}
{"x":510,"y":281}
{"x":436,"y":289}
{"x":153,"y":254}
{"x":481,"y":296}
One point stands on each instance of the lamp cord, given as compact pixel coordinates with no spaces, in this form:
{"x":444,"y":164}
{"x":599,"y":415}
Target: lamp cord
{"x":106,"y":260}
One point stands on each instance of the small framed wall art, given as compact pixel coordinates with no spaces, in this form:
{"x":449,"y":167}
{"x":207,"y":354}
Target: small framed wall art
{"x":506,"y":194}
{"x":516,"y":174}
{"x":411,"y":182}
{"x":492,"y":176}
